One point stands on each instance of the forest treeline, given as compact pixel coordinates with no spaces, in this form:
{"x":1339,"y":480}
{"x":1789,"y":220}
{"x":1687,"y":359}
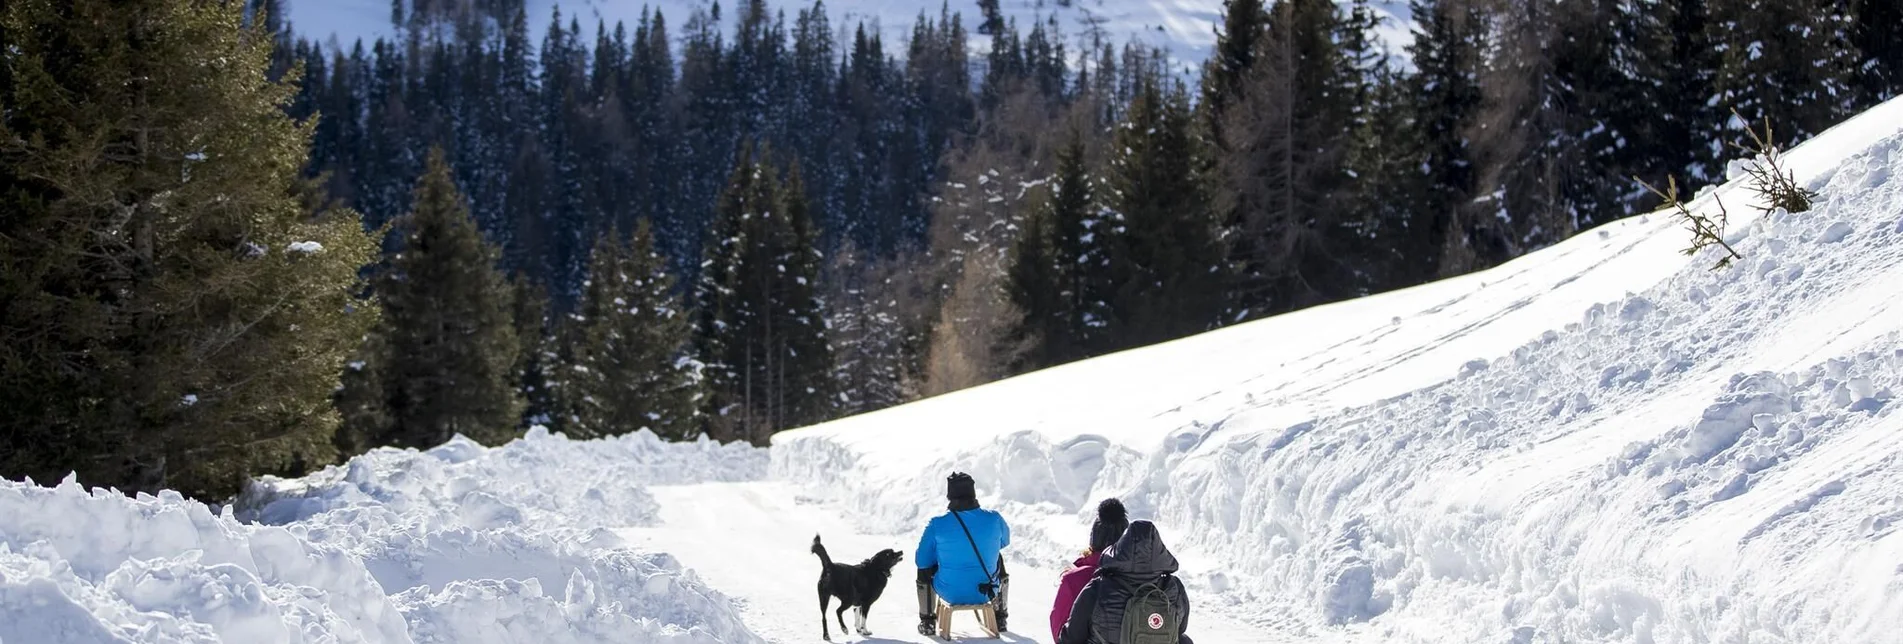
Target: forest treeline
{"x":230,"y":250}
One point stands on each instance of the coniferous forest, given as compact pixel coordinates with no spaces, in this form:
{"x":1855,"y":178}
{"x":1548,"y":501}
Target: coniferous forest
{"x":227,"y":250}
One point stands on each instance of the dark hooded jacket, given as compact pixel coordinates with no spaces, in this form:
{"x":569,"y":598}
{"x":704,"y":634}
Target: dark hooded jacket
{"x":1097,"y":617}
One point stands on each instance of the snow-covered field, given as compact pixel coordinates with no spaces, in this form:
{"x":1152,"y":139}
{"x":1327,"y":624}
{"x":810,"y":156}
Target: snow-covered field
{"x":1605,"y":441}
{"x":1185,"y":28}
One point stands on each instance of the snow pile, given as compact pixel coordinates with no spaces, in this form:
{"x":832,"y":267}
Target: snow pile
{"x":1604,"y":441}
{"x":79,"y":566}
{"x":460,"y":543}
{"x":515,"y":543}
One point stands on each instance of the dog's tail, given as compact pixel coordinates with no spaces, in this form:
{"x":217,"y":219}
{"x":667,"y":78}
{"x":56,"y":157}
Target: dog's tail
{"x":824,"y":559}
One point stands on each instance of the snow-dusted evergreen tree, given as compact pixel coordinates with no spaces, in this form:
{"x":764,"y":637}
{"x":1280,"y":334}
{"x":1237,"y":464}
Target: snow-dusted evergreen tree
{"x":1549,"y":140}
{"x":1791,"y":61}
{"x":1244,"y":23}
{"x":536,"y":360}
{"x":1878,"y":36}
{"x":448,"y":333}
{"x":630,"y":364}
{"x":175,"y":303}
{"x":993,"y":18}
{"x":1386,"y":194}
{"x":1284,"y":182}
{"x":1666,"y":103}
{"x":1165,"y":257}
{"x":1059,"y":274}
{"x":566,"y":222}
{"x":761,"y":329}
{"x":874,"y":325}
{"x":1449,"y":42}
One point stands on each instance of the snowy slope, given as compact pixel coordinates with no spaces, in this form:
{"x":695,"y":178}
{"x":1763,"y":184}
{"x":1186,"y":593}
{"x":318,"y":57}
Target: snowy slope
{"x":1600,"y":442}
{"x":1185,"y":28}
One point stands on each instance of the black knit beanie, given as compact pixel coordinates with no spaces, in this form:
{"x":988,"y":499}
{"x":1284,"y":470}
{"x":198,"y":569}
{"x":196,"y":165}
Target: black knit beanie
{"x":1110,"y":524}
{"x":961,"y":491}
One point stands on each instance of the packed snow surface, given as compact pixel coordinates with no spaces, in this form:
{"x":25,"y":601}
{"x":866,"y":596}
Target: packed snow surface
{"x":1604,"y":441}
{"x":1184,"y":28}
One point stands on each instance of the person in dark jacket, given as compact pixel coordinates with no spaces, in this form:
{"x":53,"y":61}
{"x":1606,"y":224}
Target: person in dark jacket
{"x":1109,"y":526}
{"x":1139,"y":556}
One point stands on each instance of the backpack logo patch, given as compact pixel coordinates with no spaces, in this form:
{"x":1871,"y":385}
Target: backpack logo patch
{"x":1156,"y":621}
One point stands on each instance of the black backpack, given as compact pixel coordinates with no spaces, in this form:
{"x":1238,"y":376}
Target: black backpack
{"x":1152,"y":616}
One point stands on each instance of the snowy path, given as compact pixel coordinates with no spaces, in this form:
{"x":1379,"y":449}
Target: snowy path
{"x":750,"y":540}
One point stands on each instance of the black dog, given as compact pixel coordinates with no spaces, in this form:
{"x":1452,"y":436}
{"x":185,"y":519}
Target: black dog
{"x":856,"y":585}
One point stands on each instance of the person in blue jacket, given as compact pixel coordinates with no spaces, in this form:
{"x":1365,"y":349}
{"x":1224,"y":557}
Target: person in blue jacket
{"x":960,"y":556}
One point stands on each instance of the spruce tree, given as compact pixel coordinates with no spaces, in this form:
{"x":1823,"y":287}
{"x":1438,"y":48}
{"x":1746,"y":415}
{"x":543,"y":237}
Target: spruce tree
{"x":875,"y":311}
{"x":1166,"y":258}
{"x":633,"y":370}
{"x":993,"y":18}
{"x":536,"y":359}
{"x":761,"y":325}
{"x":1791,"y":61}
{"x":1878,"y":36}
{"x":448,"y":326}
{"x":1667,"y":101}
{"x":1058,"y":277}
{"x":177,"y":311}
{"x":1243,"y":24}
{"x":1283,"y":187}
{"x":1448,"y":45}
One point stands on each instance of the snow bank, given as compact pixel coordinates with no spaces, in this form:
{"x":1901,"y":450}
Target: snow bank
{"x":515,"y":543}
{"x":1601,"y":442}
{"x":98,"y":566}
{"x":461,"y":543}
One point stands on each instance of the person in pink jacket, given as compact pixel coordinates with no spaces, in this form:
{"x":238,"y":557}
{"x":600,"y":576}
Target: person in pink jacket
{"x":1111,"y":521}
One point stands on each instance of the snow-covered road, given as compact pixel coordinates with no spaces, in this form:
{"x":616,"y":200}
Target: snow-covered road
{"x":750,"y":541}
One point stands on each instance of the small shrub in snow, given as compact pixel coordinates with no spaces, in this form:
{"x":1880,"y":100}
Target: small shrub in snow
{"x":1706,"y":230}
{"x":1769,"y":179}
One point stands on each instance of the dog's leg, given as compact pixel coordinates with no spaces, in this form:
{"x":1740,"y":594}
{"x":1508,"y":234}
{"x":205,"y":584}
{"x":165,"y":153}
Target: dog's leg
{"x":863,"y":631}
{"x":825,"y":631}
{"x":842,"y":617}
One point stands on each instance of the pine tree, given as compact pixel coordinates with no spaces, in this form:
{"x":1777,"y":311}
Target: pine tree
{"x":177,"y":309}
{"x":536,"y":360}
{"x":994,"y":18}
{"x":1447,"y":50}
{"x":1058,"y":278}
{"x":632,"y":369}
{"x":448,"y":325}
{"x":875,"y":311}
{"x":1550,"y":137}
{"x":1244,"y":22}
{"x":1667,"y":103}
{"x":761,"y":325}
{"x":1879,"y":38}
{"x":1283,"y":187}
{"x":1791,"y":61}
{"x":1165,"y":256}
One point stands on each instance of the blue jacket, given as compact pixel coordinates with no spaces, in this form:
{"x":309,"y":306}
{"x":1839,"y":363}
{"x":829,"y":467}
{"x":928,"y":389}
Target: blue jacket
{"x":944,"y":545}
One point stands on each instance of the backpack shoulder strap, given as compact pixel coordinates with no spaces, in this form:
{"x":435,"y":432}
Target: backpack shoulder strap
{"x":974,"y":548}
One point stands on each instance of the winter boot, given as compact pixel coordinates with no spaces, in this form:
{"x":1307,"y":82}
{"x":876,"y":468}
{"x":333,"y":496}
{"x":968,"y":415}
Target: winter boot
{"x":1003,"y":601}
{"x":927,"y":610}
